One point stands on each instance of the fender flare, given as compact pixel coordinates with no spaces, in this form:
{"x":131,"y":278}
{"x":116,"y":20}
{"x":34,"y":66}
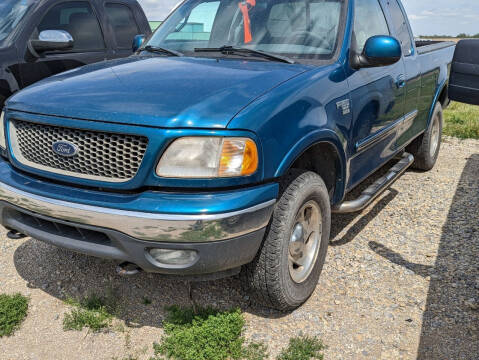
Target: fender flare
{"x":439,"y":90}
{"x":316,"y":137}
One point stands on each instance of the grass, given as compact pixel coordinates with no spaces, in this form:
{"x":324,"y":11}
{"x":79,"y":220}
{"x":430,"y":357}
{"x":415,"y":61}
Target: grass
{"x":93,"y":312}
{"x":13,"y":310}
{"x":203,"y":335}
{"x":255,"y":351}
{"x":208,"y":334}
{"x":303,"y":348}
{"x":461,"y":121}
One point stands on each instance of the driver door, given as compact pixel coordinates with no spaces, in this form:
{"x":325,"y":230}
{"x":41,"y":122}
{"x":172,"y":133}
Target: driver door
{"x":378,"y":98}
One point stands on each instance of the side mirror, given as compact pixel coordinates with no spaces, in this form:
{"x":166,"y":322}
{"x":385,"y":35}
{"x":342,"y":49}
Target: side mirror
{"x":52,"y":40}
{"x":378,"y":51}
{"x":137,"y":42}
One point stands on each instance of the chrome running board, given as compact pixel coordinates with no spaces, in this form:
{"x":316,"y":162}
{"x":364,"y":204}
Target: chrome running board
{"x":377,"y":188}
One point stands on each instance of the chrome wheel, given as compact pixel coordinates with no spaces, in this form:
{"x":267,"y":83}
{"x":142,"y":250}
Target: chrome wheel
{"x":305,"y":241}
{"x":435,"y":137}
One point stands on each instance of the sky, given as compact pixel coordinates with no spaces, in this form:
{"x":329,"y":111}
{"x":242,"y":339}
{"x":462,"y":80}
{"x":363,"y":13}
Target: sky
{"x":428,"y":17}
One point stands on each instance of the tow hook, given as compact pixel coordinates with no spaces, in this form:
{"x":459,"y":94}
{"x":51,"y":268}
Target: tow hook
{"x":15,"y":235}
{"x":128,"y":269}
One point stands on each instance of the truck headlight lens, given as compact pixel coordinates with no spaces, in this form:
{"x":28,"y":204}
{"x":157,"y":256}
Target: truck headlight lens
{"x":3,"y":142}
{"x":209,"y":157}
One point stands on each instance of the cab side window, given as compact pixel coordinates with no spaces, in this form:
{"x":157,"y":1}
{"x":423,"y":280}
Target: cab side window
{"x":369,"y":21}
{"x":79,"y":20}
{"x":123,"y":23}
{"x":401,"y":27}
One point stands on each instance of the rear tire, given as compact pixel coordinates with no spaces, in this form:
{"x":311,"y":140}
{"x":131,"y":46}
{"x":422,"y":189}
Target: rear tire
{"x":426,"y":148}
{"x":286,"y":269}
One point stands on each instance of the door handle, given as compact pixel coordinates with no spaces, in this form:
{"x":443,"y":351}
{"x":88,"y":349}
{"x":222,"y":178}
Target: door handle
{"x":401,"y":81}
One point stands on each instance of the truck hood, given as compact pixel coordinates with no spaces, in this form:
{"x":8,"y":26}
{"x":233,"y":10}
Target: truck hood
{"x":156,"y":91}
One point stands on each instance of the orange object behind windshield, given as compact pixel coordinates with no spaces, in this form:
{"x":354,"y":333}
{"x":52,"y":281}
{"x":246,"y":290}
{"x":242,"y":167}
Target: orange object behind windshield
{"x":245,"y":7}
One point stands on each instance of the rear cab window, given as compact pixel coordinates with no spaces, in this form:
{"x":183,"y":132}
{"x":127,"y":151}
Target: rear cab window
{"x":79,"y":20}
{"x":123,"y":23}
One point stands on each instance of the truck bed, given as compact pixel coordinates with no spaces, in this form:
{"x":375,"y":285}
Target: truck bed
{"x":426,"y":46}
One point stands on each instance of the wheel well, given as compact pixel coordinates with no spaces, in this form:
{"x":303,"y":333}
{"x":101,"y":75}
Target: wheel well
{"x":323,"y":159}
{"x":443,"y":98}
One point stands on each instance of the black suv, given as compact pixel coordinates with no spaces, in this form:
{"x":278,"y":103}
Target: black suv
{"x":40,"y":38}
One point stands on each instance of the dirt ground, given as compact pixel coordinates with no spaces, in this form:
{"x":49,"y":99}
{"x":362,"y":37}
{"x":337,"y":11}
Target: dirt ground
{"x":401,"y":282}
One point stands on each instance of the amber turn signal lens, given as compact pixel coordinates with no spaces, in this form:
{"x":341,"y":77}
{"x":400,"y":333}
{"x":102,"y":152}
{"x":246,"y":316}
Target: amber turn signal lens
{"x":239,"y":157}
{"x":250,"y":158}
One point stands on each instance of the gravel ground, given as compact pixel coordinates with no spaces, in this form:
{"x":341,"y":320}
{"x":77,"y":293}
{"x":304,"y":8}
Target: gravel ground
{"x":401,"y":282}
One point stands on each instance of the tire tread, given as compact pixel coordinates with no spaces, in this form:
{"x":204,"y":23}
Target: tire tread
{"x":262,"y":276}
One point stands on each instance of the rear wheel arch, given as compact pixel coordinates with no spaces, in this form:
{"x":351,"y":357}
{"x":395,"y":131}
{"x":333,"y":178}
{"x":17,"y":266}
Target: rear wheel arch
{"x":443,"y":97}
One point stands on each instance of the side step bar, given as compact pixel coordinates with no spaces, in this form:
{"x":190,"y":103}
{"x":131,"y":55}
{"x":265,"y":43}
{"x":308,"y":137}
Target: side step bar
{"x":376,"y":189}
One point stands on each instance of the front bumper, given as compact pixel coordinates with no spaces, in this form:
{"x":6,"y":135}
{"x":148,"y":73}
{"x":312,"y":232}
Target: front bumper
{"x":126,"y":226}
{"x":144,"y":225}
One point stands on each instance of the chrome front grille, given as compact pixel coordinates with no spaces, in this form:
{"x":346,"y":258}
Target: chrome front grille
{"x":101,"y":156}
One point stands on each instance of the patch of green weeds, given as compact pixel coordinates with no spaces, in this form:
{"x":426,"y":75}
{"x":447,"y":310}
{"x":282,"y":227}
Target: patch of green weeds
{"x":303,"y":348}
{"x":255,"y":351}
{"x":206,"y":334}
{"x":13,"y":310}
{"x":93,"y":312}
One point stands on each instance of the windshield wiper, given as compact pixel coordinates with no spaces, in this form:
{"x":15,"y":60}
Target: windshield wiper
{"x":161,"y":50}
{"x":231,"y":50}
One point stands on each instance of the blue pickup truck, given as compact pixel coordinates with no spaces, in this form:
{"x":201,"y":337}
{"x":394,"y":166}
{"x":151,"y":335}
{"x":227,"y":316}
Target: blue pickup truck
{"x":225,"y":143}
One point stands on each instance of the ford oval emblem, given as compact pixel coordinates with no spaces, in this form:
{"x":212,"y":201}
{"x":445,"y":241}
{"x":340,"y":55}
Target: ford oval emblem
{"x":64,"y":148}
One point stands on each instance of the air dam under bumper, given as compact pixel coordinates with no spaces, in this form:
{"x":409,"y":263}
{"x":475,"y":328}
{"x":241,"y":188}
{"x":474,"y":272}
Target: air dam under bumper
{"x":221,"y":241}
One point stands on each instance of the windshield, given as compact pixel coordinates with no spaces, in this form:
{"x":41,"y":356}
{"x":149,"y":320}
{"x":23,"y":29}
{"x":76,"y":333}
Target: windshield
{"x":293,"y":28}
{"x":12,"y":11}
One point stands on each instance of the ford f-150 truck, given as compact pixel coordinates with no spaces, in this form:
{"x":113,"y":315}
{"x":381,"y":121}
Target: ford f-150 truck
{"x":41,"y":38}
{"x":225,"y":143}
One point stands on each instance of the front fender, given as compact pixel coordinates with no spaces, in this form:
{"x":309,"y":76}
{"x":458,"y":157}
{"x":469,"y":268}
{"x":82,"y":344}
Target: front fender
{"x":310,"y":139}
{"x":297,"y":114}
{"x":306,"y":142}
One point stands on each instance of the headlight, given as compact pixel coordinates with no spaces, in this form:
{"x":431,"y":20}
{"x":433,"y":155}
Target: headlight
{"x":209,"y":157}
{"x":3,"y":143}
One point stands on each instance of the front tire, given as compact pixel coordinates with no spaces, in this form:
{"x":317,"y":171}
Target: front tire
{"x":426,"y":148}
{"x":286,"y":269}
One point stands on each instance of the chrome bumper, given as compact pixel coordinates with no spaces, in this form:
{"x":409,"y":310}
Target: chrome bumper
{"x":146,"y":226}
